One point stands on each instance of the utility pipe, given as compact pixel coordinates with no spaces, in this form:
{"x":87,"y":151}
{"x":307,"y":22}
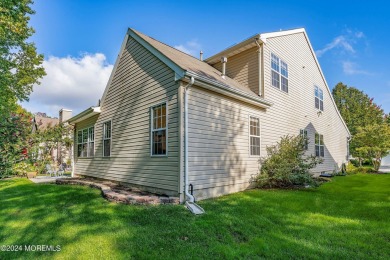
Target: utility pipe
{"x":223,"y":60}
{"x":188,"y":195}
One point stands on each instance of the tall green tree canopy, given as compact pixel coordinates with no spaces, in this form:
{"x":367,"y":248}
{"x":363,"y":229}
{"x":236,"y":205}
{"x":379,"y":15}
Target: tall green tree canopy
{"x":373,"y":143}
{"x":356,"y":107}
{"x":359,"y":112}
{"x":15,"y":133}
{"x":20,"y":64}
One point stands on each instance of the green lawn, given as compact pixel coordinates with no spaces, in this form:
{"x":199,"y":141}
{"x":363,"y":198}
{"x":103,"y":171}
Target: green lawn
{"x":348,"y":218}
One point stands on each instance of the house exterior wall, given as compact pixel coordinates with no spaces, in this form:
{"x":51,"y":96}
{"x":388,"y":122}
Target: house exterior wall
{"x":219,"y":155}
{"x":219,"y":160}
{"x":243,"y":67}
{"x":218,"y":147}
{"x":140,"y":81}
{"x":296,"y":110}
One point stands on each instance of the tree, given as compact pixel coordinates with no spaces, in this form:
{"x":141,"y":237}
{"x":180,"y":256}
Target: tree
{"x":387,"y":118}
{"x":373,"y":143}
{"x":357,"y":110}
{"x":49,"y":139}
{"x":356,"y":107}
{"x":20,"y":64}
{"x":15,"y":133}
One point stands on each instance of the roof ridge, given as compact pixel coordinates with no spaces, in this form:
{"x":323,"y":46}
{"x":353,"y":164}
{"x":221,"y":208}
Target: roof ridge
{"x":138,"y":32}
{"x":188,"y":63}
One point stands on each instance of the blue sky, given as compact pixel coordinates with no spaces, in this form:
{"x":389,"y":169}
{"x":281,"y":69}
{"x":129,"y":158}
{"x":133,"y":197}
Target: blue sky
{"x":81,"y":39}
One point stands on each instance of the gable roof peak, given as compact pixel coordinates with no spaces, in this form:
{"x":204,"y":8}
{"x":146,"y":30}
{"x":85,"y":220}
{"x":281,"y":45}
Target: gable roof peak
{"x":250,"y":43}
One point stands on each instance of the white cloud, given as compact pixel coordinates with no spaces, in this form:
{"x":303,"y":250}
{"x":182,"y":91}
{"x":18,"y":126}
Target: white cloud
{"x":344,"y":42}
{"x":72,"y":83}
{"x":191,"y":47}
{"x":359,"y":35}
{"x":351,"y":68}
{"x":338,"y":42}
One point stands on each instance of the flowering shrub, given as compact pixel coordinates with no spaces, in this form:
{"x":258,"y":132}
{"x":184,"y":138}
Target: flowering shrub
{"x":286,"y":164}
{"x":15,"y":130}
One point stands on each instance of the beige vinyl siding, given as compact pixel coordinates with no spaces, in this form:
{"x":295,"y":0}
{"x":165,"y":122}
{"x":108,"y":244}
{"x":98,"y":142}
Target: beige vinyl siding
{"x":295,"y":110}
{"x":244,"y":68}
{"x":219,"y":160}
{"x":140,"y":82}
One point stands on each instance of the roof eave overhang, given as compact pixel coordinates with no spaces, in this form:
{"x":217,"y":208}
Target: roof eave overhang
{"x":226,"y":90}
{"x":89,"y":112}
{"x":249,"y":43}
{"x":235,"y":49}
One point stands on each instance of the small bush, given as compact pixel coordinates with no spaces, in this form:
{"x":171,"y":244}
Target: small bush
{"x":354,"y":162}
{"x":21,"y":168}
{"x":352,"y":169}
{"x":286,"y":164}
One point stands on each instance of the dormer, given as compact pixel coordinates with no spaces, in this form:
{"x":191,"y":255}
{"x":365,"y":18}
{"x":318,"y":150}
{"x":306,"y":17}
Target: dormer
{"x":244,"y":63}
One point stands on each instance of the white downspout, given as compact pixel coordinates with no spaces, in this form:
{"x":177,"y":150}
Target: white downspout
{"x":259,"y":52}
{"x":188,"y":195}
{"x":72,"y":153}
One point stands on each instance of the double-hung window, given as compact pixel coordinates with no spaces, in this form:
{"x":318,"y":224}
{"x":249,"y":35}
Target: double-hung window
{"x":91,"y":142}
{"x":254,"y":136}
{"x":303,"y":134}
{"x":107,"y":129}
{"x":159,"y":130}
{"x":319,"y":145}
{"x":86,"y":142}
{"x":279,"y":73}
{"x":319,"y":98}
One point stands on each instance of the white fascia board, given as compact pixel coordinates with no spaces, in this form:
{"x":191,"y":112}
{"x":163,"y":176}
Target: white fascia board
{"x":179,"y":72}
{"x":89,"y":112}
{"x":228,"y":91}
{"x":217,"y":57}
{"x":265,"y":36}
{"x":262,"y":37}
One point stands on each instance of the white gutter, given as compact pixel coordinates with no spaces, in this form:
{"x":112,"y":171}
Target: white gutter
{"x":188,"y":195}
{"x":229,"y":91}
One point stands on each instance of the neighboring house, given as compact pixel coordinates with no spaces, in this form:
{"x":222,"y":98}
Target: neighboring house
{"x":239,"y":101}
{"x":385,"y":164}
{"x":386,"y":161}
{"x":42,"y":122}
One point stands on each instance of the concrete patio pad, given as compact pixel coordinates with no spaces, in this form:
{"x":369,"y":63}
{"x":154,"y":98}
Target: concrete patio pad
{"x":46,"y":179}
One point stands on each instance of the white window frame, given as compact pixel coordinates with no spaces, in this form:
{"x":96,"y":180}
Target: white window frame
{"x":319,"y":145}
{"x":87,"y":142}
{"x":303,"y":134}
{"x":152,"y":130}
{"x":256,"y":136}
{"x":279,"y":72}
{"x":104,"y":138}
{"x":318,"y":97}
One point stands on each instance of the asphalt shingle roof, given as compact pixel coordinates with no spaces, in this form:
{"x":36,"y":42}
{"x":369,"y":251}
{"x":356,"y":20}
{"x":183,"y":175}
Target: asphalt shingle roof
{"x":43,"y":123}
{"x":190,"y":63}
